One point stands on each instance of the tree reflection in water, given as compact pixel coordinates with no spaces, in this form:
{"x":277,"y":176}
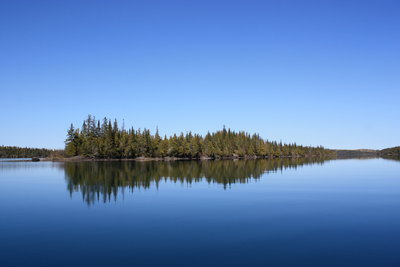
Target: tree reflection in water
{"x":102,"y":180}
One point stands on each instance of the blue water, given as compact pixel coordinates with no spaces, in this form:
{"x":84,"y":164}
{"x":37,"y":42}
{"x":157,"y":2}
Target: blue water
{"x":335,"y":213}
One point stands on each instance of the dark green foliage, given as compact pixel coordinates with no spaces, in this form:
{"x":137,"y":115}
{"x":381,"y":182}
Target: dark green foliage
{"x":107,"y":140}
{"x":390,"y":152}
{"x":24,"y":152}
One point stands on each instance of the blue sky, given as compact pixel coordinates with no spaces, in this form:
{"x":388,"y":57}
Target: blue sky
{"x":312,"y":72}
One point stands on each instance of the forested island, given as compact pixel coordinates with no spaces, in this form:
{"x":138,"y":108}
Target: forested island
{"x":106,"y":140}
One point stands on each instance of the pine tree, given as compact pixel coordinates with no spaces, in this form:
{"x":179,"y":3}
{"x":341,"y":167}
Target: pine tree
{"x":107,"y":140}
{"x":71,"y":145}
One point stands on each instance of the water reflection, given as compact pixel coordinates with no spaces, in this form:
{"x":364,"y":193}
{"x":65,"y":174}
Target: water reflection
{"x":103,"y":181}
{"x":7,"y":165}
{"x":394,"y":158}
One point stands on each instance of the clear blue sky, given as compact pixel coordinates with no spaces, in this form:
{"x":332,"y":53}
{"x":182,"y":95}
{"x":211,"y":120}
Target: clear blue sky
{"x":312,"y":72}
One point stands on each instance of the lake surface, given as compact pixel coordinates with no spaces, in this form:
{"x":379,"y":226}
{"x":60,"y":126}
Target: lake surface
{"x":210,"y":213}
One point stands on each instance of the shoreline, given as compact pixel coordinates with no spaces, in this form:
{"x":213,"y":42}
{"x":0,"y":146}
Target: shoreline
{"x":142,"y":159}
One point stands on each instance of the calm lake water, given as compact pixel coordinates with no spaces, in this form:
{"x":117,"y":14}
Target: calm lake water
{"x":210,"y":213}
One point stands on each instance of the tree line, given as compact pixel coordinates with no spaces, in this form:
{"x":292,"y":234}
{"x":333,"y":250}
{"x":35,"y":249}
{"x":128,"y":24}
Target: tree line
{"x":390,"y":152}
{"x":24,"y":152}
{"x":106,"y":139}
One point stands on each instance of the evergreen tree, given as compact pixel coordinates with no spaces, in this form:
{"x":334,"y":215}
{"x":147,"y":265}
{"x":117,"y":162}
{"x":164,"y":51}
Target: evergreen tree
{"x":107,"y":140}
{"x":71,"y":143}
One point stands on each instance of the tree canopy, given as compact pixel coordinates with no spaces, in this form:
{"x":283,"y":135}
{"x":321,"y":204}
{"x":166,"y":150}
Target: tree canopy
{"x":390,"y":152}
{"x":105,"y":139}
{"x":24,"y":152}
